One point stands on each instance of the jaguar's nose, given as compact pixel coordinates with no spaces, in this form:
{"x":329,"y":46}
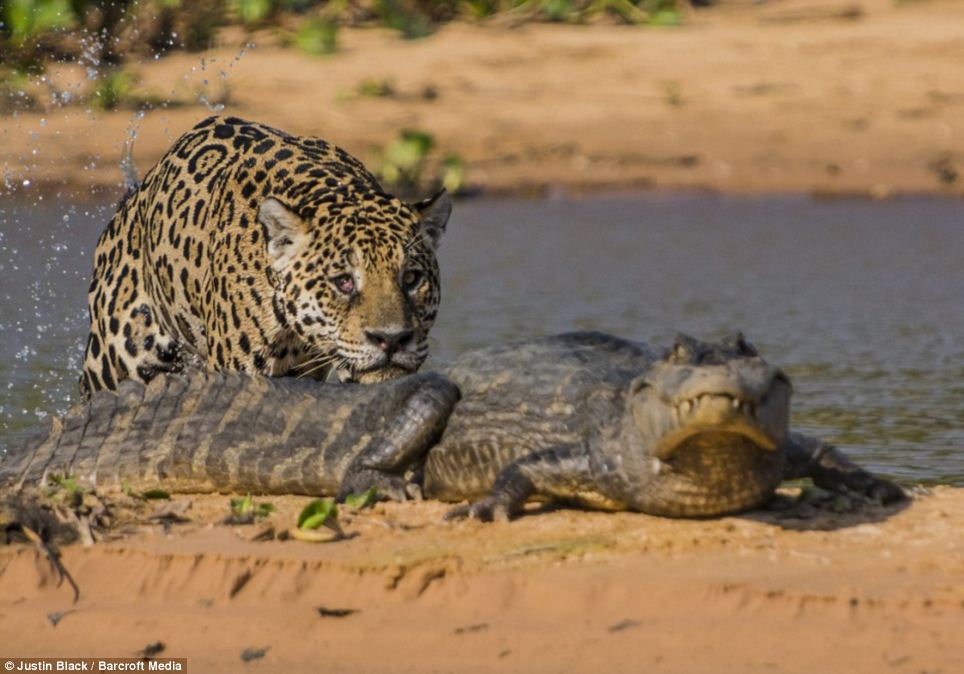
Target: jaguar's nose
{"x":389,"y":341}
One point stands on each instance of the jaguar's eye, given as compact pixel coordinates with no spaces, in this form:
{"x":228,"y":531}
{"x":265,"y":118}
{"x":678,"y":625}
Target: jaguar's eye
{"x":411,"y":278}
{"x":344,"y":283}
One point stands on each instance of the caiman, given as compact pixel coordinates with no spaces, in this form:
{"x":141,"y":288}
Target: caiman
{"x":699,"y":429}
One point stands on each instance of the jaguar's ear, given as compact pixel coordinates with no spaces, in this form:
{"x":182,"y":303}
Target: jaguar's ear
{"x":435,"y":212}
{"x":284,"y":231}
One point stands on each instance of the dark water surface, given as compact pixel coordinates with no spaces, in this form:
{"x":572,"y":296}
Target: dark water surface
{"x":861,"y":302}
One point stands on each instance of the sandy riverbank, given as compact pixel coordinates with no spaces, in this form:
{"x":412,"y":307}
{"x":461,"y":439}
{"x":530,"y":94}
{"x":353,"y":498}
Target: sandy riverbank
{"x":798,"y":95}
{"x":742,"y":100}
{"x":556,"y":591}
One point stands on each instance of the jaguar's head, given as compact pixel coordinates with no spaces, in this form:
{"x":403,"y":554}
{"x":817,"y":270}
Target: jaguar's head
{"x":356,"y":279}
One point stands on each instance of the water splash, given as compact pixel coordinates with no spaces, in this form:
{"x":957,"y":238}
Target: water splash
{"x":46,"y":242}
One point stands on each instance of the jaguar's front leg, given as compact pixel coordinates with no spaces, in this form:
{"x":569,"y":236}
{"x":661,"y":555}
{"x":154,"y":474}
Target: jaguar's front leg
{"x":410,"y":433}
{"x":831,"y":469}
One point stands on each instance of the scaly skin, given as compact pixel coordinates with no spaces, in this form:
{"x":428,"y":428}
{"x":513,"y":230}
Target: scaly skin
{"x":217,"y":432}
{"x":585,"y":417}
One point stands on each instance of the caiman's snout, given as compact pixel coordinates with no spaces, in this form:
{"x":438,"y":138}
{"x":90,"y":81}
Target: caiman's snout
{"x":725,"y":389}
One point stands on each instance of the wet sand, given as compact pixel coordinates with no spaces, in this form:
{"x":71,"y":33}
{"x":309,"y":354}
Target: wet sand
{"x":829,"y":97}
{"x":573,"y":591}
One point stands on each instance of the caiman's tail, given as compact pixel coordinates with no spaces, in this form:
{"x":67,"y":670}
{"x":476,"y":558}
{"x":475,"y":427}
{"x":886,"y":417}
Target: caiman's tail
{"x":224,"y":432}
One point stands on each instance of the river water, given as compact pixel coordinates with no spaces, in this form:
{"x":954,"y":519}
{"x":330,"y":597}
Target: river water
{"x":861,"y":302}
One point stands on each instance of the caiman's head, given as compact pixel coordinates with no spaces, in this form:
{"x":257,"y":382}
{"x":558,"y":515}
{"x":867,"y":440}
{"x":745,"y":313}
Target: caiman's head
{"x":710,"y":417}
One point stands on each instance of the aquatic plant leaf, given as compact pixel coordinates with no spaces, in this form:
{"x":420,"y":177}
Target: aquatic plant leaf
{"x":317,"y":513}
{"x":364,"y":499}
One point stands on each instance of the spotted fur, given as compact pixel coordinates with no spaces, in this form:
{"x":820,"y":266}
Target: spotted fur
{"x":251,"y":250}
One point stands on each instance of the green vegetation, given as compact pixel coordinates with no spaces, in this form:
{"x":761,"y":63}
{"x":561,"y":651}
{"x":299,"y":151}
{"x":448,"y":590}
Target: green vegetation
{"x":101,"y":34}
{"x":318,"y":523}
{"x":252,"y":12}
{"x":26,"y":20}
{"x":318,"y":513}
{"x":366,"y":499}
{"x":377,"y":87}
{"x":111,"y":90}
{"x":246,"y":510}
{"x":67,"y":484}
{"x":453,"y":174}
{"x":35,"y":31}
{"x":401,"y":164}
{"x":652,"y":12}
{"x":317,"y":37}
{"x":115,"y":89}
{"x":404,"y":166}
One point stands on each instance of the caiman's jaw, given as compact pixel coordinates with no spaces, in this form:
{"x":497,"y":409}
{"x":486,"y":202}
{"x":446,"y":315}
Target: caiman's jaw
{"x":762,"y":422}
{"x":712,"y":416}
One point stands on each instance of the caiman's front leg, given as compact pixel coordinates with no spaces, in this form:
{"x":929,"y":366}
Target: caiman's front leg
{"x":556,"y":473}
{"x":830,"y":469}
{"x":402,"y":445}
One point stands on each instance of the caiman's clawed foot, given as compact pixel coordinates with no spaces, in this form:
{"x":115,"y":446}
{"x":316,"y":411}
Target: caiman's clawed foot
{"x":865,"y":484}
{"x":832,"y":470}
{"x":388,"y":486}
{"x":488,"y":509}
{"x":887,"y":491}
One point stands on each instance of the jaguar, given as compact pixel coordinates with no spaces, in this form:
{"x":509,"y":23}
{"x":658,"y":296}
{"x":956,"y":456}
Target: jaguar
{"x":251,"y":250}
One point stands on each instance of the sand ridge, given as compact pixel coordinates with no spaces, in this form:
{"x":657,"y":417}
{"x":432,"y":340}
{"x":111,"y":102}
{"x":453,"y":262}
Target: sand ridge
{"x":563,"y":590}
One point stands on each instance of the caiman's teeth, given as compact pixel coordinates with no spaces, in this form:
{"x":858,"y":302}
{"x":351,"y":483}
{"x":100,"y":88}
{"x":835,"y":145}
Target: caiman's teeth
{"x":684,"y":407}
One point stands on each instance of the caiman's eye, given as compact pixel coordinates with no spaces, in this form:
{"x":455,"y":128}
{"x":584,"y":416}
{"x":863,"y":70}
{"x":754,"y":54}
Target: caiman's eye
{"x":411,"y":278}
{"x":745,"y":348}
{"x":344,"y":283}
